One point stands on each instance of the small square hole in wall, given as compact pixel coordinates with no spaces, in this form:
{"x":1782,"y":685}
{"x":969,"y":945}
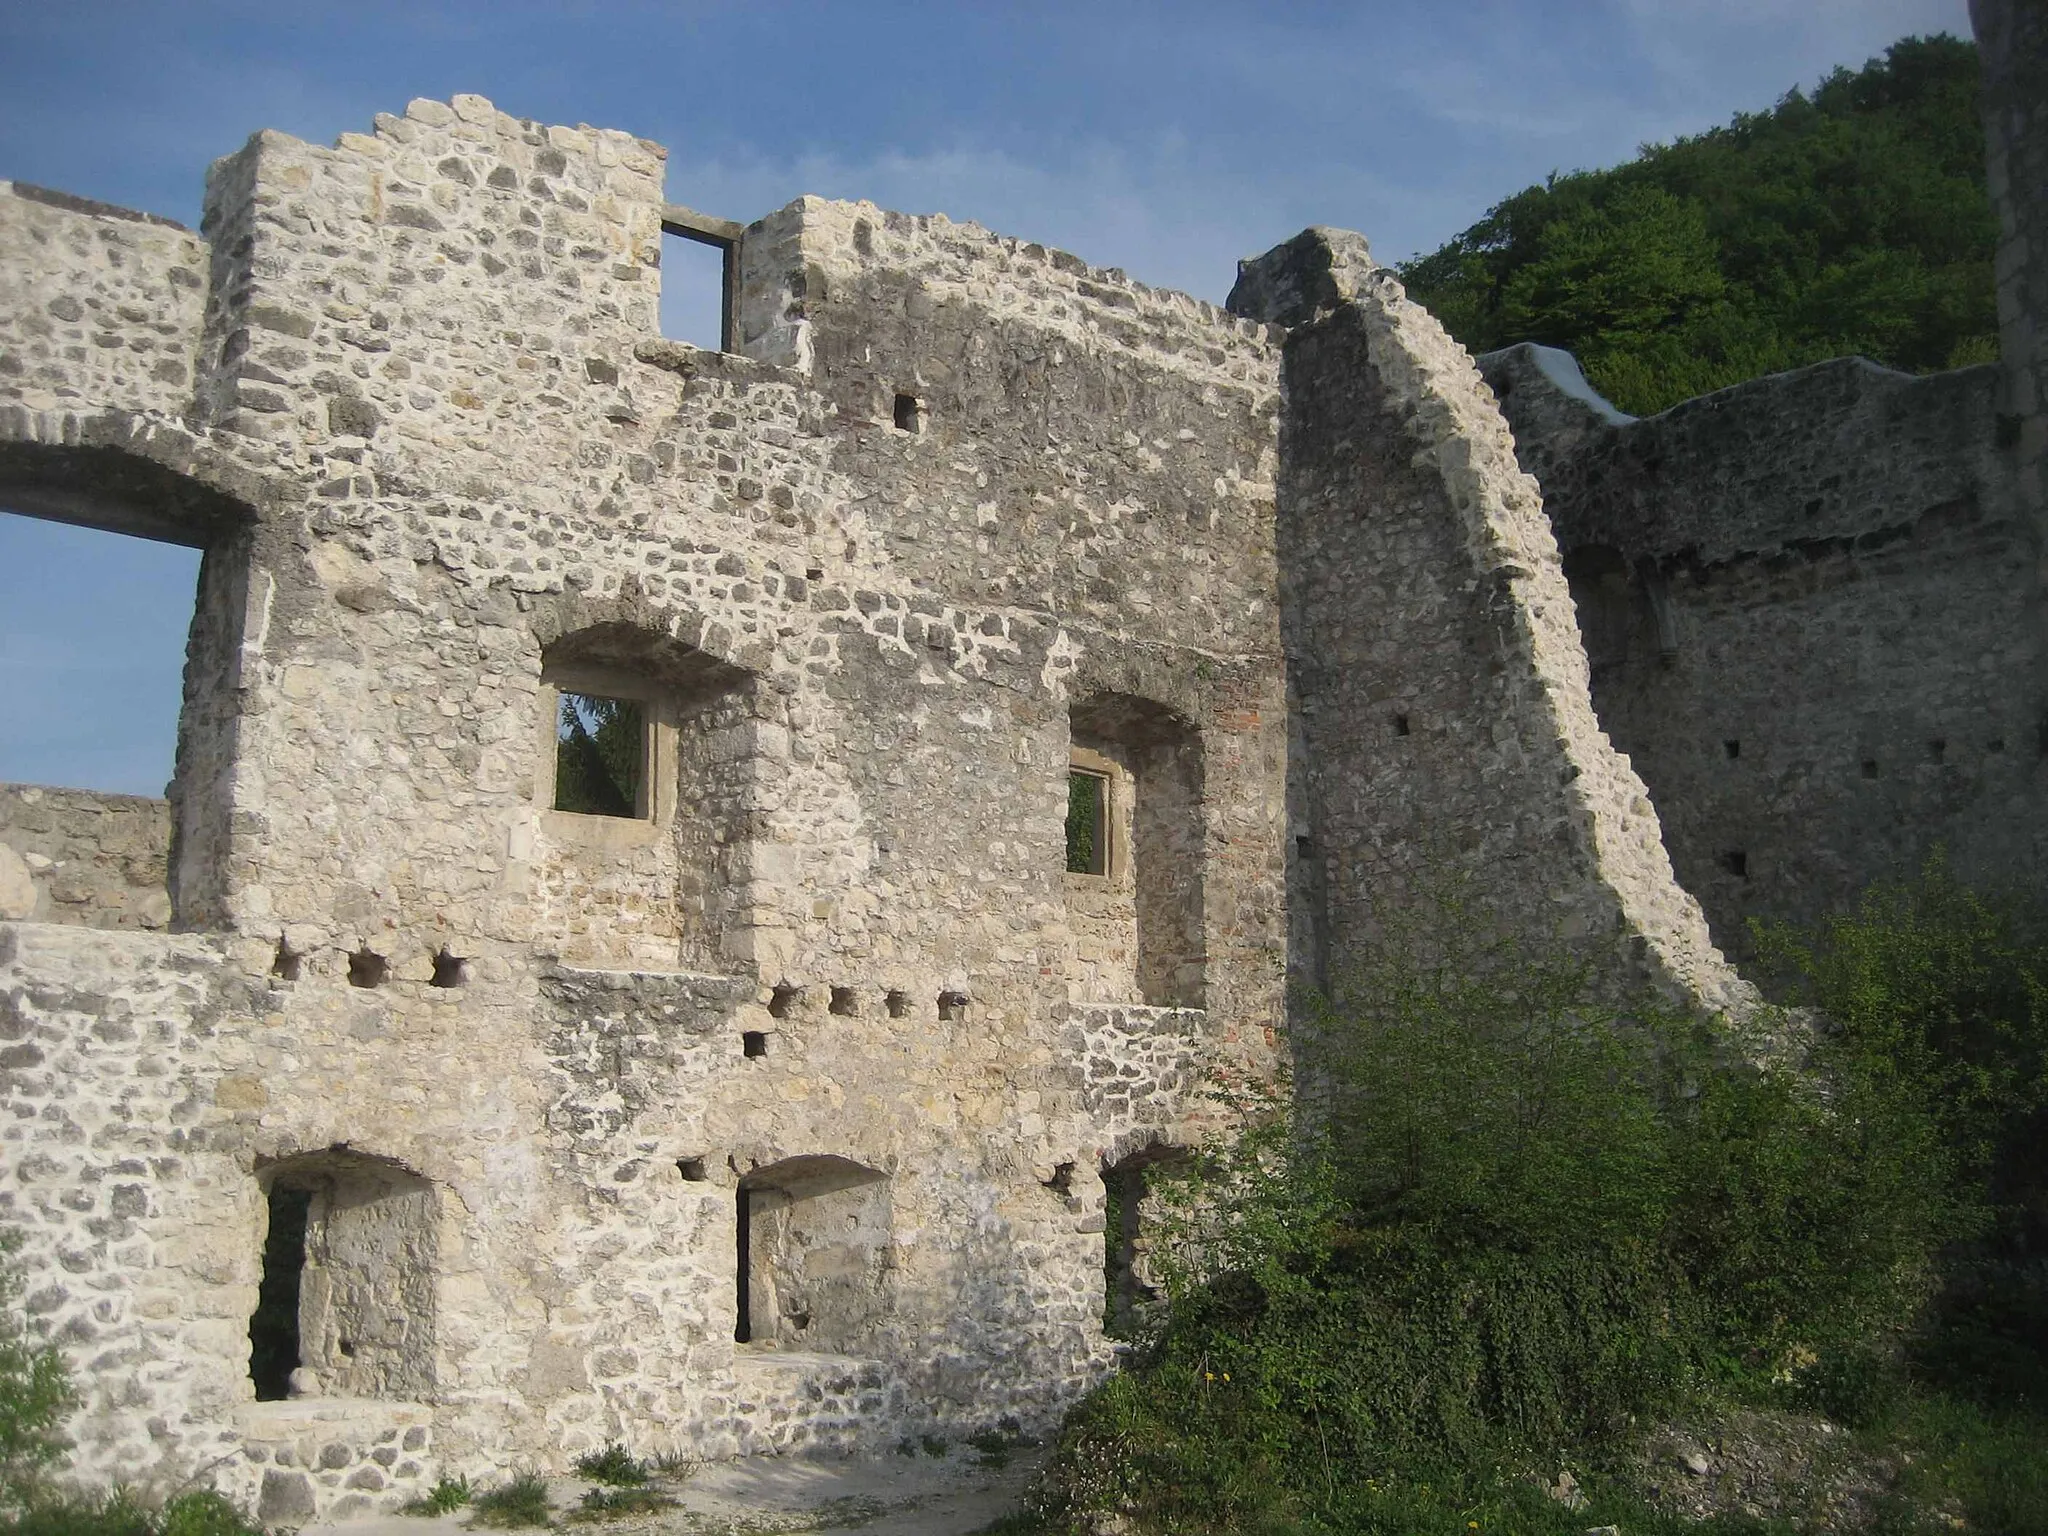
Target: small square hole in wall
{"x":909,"y":414}
{"x":1733,"y":748}
{"x":783,"y":999}
{"x":753,"y":1042}
{"x":693,"y":294}
{"x":1736,"y":863}
{"x":898,"y":1003}
{"x":1995,"y":744}
{"x":692,"y":1169}
{"x":1870,"y":767}
{"x":449,"y":970}
{"x":366,"y":969}
{"x":1400,"y":725}
{"x":600,"y":755}
{"x":1062,"y":1180}
{"x":1937,"y":749}
{"x":843,"y":1002}
{"x":952,"y":1006}
{"x":288,"y":964}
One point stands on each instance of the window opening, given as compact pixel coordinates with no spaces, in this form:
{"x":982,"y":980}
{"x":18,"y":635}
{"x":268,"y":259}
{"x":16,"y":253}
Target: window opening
{"x":1732,"y":748}
{"x":898,"y":1003}
{"x":783,"y":999}
{"x":1087,"y":823}
{"x":600,"y":755}
{"x":367,"y":969}
{"x":1400,"y":725}
{"x":952,"y":1006}
{"x":1870,"y":767}
{"x":812,"y":1253}
{"x":288,"y":964}
{"x":100,"y":710}
{"x":1736,"y":863}
{"x":753,"y":1042}
{"x":692,"y":1169}
{"x":449,"y":970}
{"x":700,"y":279}
{"x":274,"y":1327}
{"x":1127,"y":1238}
{"x":909,"y":414}
{"x":1937,"y":749}
{"x":843,"y":1002}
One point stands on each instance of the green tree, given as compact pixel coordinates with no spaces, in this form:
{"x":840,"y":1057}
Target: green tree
{"x":1851,"y":220}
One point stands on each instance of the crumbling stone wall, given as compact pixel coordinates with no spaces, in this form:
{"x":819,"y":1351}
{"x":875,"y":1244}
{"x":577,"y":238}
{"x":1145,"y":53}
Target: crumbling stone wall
{"x":77,"y":856}
{"x":1445,"y":728}
{"x":435,"y":451}
{"x":1810,"y":611}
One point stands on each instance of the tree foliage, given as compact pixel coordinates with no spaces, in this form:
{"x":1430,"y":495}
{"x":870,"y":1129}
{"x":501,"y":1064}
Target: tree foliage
{"x":1854,"y":219}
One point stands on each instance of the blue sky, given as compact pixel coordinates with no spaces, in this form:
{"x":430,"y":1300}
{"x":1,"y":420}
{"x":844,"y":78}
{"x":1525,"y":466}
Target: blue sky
{"x":1168,"y":139}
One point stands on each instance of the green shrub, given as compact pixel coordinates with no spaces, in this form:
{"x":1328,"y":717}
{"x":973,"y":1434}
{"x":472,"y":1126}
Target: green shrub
{"x":444,"y":1498}
{"x":614,"y":1465}
{"x":1506,"y":1214}
{"x":35,"y":1393}
{"x":523,"y":1500}
{"x":199,"y":1512}
{"x":604,"y":1503}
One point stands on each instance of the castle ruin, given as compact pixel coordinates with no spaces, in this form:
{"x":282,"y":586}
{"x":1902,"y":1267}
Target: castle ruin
{"x":691,"y":872}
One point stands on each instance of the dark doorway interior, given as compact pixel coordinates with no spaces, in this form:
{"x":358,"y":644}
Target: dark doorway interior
{"x":274,"y":1327}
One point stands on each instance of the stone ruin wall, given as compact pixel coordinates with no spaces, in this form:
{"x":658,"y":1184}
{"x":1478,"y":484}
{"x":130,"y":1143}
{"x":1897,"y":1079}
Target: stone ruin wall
{"x":1811,"y":611}
{"x":1446,"y":741}
{"x":78,"y":856}
{"x":429,"y":438}
{"x":408,"y":395}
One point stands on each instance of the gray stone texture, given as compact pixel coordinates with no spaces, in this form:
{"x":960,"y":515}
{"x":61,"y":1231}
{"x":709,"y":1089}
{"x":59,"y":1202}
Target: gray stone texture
{"x":1810,"y":608}
{"x":959,"y":514}
{"x":83,"y":857}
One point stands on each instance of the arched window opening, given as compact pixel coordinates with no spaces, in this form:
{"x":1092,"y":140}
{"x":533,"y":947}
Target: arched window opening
{"x":1134,"y":854}
{"x":345,"y":1307}
{"x":1130,"y":1215}
{"x":813,"y":1254}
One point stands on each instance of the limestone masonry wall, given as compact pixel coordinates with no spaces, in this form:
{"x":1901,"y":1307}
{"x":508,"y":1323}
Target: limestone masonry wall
{"x":1810,"y":608}
{"x":74,"y":856}
{"x":442,"y":1124}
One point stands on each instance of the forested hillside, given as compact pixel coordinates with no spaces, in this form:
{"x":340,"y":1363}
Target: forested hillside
{"x":1852,"y":219}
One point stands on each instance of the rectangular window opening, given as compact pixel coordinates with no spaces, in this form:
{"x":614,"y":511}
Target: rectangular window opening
{"x":1087,"y":823}
{"x":91,"y":703}
{"x":274,"y":1328}
{"x":600,"y":755}
{"x":699,"y":281}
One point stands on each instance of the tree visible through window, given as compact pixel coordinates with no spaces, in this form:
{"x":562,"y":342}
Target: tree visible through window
{"x":600,"y":755}
{"x":1087,"y":823}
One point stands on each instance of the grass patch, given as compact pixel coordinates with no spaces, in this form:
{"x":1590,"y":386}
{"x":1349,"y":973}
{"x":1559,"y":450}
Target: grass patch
{"x":200,"y":1512}
{"x":444,"y":1498}
{"x":520,"y":1501}
{"x":606,"y":1503}
{"x":614,"y":1466}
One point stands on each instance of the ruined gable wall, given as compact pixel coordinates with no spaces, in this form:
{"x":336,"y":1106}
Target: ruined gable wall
{"x":1824,"y":569}
{"x":1089,"y":448}
{"x":1445,"y":729}
{"x":94,"y":860}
